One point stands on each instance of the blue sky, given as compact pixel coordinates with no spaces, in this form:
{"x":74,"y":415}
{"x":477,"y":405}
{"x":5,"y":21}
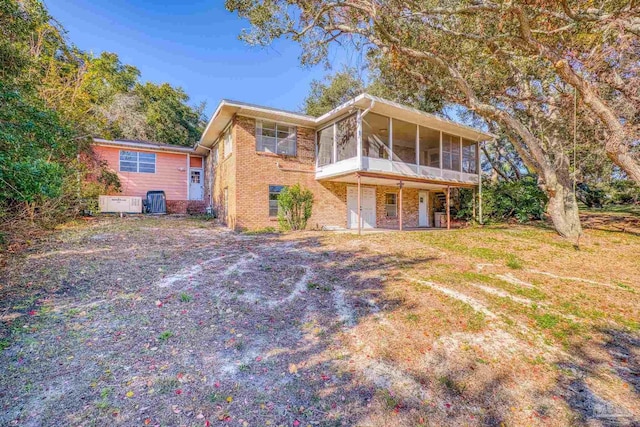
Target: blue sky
{"x":192,"y":44}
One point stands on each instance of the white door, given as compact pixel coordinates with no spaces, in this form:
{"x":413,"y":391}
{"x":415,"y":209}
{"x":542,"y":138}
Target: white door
{"x":196,"y":190}
{"x":423,"y":203}
{"x":367,"y":206}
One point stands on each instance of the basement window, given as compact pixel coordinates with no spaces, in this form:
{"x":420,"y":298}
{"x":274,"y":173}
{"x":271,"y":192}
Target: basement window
{"x":135,"y":161}
{"x":274,"y":193}
{"x":391,"y":205}
{"x":276,"y":138}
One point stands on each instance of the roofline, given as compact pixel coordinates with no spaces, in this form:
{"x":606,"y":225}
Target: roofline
{"x":144,"y":145}
{"x":317,"y":120}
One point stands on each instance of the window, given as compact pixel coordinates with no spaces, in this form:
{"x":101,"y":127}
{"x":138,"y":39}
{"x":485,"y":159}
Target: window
{"x":375,"y":136}
{"x":325,"y":146}
{"x":274,"y":192}
{"x":391,"y":204}
{"x":228,"y":142}
{"x":195,"y":177}
{"x":469,"y":159}
{"x":135,"y":161}
{"x":450,"y":152}
{"x":346,"y":143}
{"x":276,"y":138}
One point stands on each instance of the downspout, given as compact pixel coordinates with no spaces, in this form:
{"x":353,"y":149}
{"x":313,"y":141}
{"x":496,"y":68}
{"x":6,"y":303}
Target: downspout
{"x":209,"y":174}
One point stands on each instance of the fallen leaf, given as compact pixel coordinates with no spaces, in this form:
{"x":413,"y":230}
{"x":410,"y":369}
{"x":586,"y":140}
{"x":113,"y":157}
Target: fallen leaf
{"x":129,"y":394}
{"x":293,"y":369}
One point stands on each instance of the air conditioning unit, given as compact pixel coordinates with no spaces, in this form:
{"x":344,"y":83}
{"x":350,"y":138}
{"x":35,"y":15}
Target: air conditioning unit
{"x":120,"y":204}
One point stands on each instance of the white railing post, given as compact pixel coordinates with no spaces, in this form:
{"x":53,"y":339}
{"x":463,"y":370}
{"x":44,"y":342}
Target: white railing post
{"x":359,"y":139}
{"x":391,"y":143}
{"x":418,"y":149}
{"x":461,"y":159}
{"x":441,"y":154}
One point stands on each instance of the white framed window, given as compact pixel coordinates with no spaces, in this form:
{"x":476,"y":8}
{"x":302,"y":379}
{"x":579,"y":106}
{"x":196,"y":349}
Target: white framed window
{"x":274,"y":193}
{"x":136,"y":161}
{"x":391,"y":205}
{"x":276,"y":138}
{"x":228,"y":142}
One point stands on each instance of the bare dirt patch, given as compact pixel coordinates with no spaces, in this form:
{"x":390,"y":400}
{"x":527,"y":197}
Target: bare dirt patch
{"x":175,"y":322}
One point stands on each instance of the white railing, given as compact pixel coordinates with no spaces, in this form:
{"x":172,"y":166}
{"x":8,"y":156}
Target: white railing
{"x":374,"y":164}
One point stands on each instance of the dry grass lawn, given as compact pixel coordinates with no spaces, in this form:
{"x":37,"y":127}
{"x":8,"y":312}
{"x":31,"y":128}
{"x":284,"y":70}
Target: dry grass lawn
{"x":176,"y":322}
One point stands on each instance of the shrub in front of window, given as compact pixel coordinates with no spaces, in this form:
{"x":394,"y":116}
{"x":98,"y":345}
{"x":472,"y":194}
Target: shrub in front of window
{"x":295,"y":204}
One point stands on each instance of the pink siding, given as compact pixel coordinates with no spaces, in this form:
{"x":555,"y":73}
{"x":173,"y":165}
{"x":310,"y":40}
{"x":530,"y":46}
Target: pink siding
{"x":171,"y":173}
{"x":196,"y":162}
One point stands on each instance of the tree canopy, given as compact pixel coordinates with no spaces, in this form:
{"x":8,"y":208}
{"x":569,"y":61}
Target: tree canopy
{"x":55,"y":97}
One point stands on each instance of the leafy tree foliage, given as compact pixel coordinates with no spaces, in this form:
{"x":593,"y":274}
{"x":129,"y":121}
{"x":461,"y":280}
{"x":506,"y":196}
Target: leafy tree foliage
{"x":332,"y":91}
{"x":295,"y":204}
{"x":54,"y":98}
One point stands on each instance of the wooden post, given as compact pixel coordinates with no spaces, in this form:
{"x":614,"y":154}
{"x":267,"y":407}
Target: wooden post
{"x":400,"y":205}
{"x":448,"y":208}
{"x":359,"y":208}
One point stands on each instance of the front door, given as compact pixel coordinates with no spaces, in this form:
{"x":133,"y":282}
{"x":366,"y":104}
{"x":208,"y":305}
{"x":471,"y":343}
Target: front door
{"x":367,"y":205}
{"x":196,"y":190}
{"x":423,"y":203}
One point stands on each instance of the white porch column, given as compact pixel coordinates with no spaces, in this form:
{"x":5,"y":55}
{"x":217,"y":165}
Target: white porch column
{"x":460,"y":154}
{"x":359,"y":207}
{"x":400,"y":206}
{"x":418,"y":148}
{"x":448,"y":208}
{"x":359,"y":140}
{"x":440,"y":153}
{"x":334,"y":152}
{"x":391,"y":142}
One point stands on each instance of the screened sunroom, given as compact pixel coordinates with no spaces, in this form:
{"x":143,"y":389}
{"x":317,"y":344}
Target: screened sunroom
{"x":396,"y":140}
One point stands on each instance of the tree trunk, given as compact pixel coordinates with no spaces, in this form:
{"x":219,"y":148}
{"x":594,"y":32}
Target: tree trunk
{"x":563,"y":205}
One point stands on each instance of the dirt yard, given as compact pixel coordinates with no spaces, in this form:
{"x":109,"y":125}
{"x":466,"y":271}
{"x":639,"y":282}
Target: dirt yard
{"x":171,"y":322}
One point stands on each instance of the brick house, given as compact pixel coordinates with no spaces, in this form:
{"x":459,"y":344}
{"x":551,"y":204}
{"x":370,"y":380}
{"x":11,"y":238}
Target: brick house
{"x":370,"y":162}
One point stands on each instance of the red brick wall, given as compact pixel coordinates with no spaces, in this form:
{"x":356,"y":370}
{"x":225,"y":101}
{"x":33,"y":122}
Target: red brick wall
{"x":255,"y":171}
{"x":409,"y":205}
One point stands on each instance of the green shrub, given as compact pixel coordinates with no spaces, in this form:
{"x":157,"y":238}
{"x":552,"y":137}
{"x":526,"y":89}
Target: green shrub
{"x":521,"y":200}
{"x":295,"y":204}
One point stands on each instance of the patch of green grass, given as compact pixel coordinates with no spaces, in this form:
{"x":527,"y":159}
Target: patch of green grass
{"x":514,"y":262}
{"x":165,"y":335}
{"x":167,"y":385}
{"x":244,"y":367}
{"x":316,"y":286}
{"x":105,"y":392}
{"x":626,"y":287}
{"x":546,"y":321}
{"x":214,"y":397}
{"x":412,"y":317}
{"x":455,"y":387}
{"x":389,"y":401}
{"x":258,"y":231}
{"x":184,"y":297}
{"x":4,"y":344}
